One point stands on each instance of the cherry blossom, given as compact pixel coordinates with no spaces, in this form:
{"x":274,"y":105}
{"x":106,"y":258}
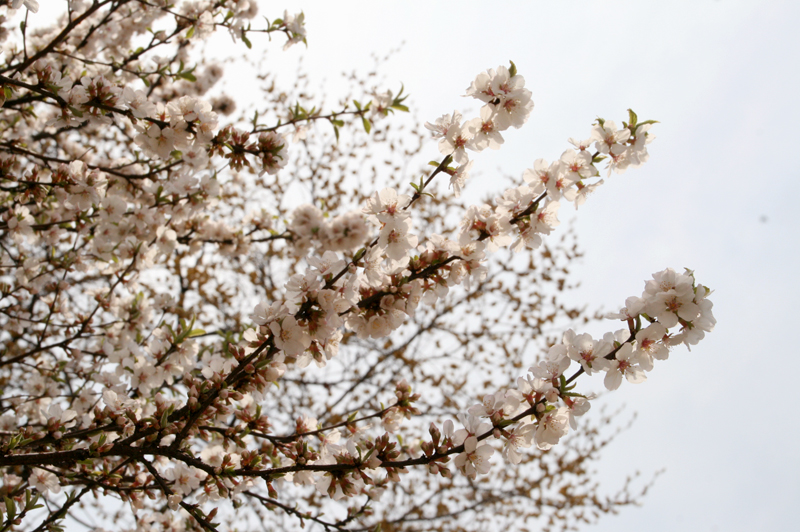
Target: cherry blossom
{"x":44,"y":481}
{"x":551,"y":427}
{"x":625,"y":362}
{"x":475,"y":458}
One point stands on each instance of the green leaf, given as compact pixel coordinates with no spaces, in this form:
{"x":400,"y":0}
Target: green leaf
{"x":367,"y":124}
{"x":359,"y":254}
{"x":632,"y":118}
{"x":31,"y":498}
{"x":190,"y":33}
{"x":11,"y":510}
{"x":397,"y":103}
{"x":246,"y":41}
{"x":513,"y":70}
{"x":196,"y":332}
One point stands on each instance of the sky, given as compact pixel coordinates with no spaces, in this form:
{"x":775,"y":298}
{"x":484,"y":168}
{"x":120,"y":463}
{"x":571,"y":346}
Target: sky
{"x":718,"y":196}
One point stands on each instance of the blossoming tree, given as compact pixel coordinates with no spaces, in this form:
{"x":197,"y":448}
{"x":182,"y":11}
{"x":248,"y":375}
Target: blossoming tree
{"x":201,"y":316}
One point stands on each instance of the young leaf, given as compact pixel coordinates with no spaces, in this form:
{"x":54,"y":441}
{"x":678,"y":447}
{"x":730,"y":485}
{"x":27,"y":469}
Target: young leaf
{"x":512,"y":71}
{"x":632,"y":118}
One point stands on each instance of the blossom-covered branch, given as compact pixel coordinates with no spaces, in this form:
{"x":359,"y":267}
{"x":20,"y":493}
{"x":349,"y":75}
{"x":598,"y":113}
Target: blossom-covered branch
{"x":163,"y":292}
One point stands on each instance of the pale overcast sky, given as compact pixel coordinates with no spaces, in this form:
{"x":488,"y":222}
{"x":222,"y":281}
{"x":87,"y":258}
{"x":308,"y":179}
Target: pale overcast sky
{"x":718,"y":195}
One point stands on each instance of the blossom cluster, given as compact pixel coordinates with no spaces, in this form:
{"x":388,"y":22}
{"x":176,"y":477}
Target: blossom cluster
{"x":309,"y":227}
{"x":390,"y":277}
{"x":381,"y":288}
{"x":543,"y":402}
{"x":508,"y":103}
{"x":116,"y":180}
